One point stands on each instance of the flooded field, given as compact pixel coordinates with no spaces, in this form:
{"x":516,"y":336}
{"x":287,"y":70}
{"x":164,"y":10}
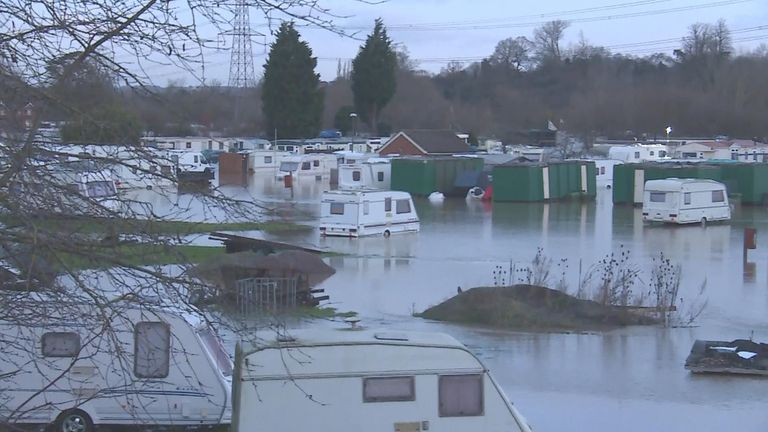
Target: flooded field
{"x":629,"y":379}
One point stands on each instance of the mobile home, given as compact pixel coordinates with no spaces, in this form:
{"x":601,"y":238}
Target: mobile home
{"x":374,"y":173}
{"x":265,"y":160}
{"x":78,"y":366}
{"x":639,"y":153}
{"x":367,"y":212}
{"x":685,"y":201}
{"x":369,"y":381}
{"x":316,"y":166}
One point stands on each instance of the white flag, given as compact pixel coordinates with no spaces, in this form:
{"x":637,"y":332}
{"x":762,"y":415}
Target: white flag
{"x":551,"y":126}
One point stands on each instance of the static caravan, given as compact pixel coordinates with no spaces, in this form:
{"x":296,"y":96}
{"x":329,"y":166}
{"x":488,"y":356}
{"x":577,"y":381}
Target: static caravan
{"x":131,"y":167}
{"x":265,"y":160}
{"x":362,"y":380}
{"x":639,"y":153}
{"x":367,"y":212}
{"x":374,"y":173}
{"x":684,"y":201}
{"x":315,"y":166}
{"x":78,"y":366}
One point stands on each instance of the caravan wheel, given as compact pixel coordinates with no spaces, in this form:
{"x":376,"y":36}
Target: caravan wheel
{"x":386,"y":234}
{"x":74,"y":421}
{"x":703,"y":222}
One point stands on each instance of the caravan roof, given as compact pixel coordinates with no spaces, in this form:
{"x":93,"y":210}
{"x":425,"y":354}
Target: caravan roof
{"x":324,"y":337}
{"x":678,"y":184}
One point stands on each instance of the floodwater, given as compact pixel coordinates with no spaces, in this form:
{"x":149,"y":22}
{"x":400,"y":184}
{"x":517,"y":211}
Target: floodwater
{"x":628,"y":379}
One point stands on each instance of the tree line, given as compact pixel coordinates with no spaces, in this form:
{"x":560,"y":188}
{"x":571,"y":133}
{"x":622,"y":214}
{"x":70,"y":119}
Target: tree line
{"x":702,"y":88}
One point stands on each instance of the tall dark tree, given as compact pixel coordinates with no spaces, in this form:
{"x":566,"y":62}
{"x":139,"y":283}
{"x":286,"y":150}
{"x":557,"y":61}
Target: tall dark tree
{"x":373,"y":75}
{"x":291,"y":97}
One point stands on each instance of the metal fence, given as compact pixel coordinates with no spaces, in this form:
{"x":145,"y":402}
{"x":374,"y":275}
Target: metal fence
{"x":256,"y":295}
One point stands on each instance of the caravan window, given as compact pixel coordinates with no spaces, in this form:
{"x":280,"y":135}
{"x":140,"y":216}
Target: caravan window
{"x":602,"y":170}
{"x":337,"y":208}
{"x":637,"y":155}
{"x":316,"y":163}
{"x":60,"y":344}
{"x":221,"y":146}
{"x":460,"y":395}
{"x":189,"y":145}
{"x":152,"y":349}
{"x":355,"y":175}
{"x":98,"y":189}
{"x":658,"y":197}
{"x":389,"y":389}
{"x":403,"y":206}
{"x":687,"y":198}
{"x":387,"y":204}
{"x":305,"y":166}
{"x":380,"y":176}
{"x":267,"y":159}
{"x":718,"y":196}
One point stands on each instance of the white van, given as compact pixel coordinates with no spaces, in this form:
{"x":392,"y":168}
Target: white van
{"x":191,"y":166}
{"x":684,"y":201}
{"x":367,"y":212}
{"x":78,"y":366}
{"x":362,"y":380}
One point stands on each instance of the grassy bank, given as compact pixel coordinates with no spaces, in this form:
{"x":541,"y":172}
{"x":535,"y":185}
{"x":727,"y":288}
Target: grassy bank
{"x":531,"y":308}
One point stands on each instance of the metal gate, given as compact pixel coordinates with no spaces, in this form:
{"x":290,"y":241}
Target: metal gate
{"x":255,"y":295}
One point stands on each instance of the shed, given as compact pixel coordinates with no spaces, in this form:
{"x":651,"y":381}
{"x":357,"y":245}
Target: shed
{"x":544,"y":182}
{"x":424,"y":175}
{"x":425,"y":142}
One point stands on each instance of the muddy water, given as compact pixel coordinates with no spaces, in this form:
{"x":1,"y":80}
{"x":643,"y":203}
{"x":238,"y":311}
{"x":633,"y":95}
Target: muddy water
{"x":628,"y":379}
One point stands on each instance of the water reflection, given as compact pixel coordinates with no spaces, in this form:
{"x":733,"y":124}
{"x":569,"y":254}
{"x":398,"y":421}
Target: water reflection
{"x":628,"y":379}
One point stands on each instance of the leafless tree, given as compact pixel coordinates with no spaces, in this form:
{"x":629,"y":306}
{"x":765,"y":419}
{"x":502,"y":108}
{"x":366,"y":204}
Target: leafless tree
{"x":547,"y":39}
{"x":513,"y":53}
{"x":52,"y":228}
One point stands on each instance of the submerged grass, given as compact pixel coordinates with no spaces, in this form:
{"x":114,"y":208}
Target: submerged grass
{"x":92,"y":225}
{"x":141,"y":254}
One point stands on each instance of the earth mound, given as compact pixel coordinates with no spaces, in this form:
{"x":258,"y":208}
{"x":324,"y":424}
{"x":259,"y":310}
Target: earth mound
{"x":529,"y":307}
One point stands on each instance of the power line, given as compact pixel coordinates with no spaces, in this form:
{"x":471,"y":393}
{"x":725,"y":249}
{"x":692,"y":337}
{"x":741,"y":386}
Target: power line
{"x":461,"y":27}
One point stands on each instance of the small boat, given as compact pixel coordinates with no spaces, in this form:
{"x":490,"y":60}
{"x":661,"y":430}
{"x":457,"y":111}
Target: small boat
{"x":740,"y":356}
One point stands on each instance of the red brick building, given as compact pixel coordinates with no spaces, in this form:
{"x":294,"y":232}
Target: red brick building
{"x":425,"y":143}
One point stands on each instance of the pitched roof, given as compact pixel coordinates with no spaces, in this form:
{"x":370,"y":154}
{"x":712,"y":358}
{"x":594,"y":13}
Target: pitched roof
{"x":437,"y":141}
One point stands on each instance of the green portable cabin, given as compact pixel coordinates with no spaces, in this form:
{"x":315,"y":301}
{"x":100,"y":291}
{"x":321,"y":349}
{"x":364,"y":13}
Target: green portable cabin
{"x":542,"y":182}
{"x":424,"y":175}
{"x":749,"y":180}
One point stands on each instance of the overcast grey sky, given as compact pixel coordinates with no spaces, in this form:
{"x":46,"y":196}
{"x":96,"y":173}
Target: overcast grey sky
{"x":438,"y":31}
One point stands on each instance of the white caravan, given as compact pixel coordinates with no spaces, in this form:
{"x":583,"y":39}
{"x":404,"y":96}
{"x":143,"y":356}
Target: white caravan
{"x":367,"y":212}
{"x":684,"y":201}
{"x":131,"y":167}
{"x":374,"y":173}
{"x":265,"y":160}
{"x":362,"y":380}
{"x":316,"y":166}
{"x":79,"y":366}
{"x":639,"y":153}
